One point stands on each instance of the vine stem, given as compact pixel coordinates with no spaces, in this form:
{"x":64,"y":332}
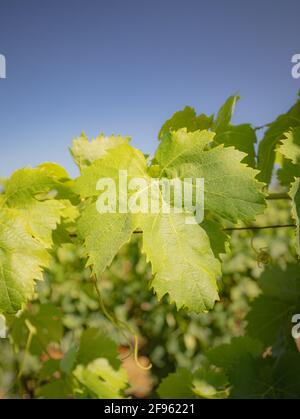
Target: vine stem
{"x":271,"y":196}
{"x":32,"y":332}
{"x":259,"y":227}
{"x":245,"y":228}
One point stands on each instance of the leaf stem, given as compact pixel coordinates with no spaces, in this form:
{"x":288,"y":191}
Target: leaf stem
{"x":32,"y":332}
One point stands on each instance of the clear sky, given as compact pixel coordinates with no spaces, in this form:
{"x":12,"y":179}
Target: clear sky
{"x":124,"y":66}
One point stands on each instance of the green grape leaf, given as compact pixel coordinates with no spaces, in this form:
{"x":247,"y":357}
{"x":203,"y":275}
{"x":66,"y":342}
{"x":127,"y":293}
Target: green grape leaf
{"x":31,"y":206}
{"x":22,"y":260}
{"x":251,"y":378}
{"x":286,"y":376}
{"x":177,"y":385}
{"x":181,"y":146}
{"x":122,"y":157}
{"x":67,"y":364}
{"x":249,"y":374}
{"x":205,"y":383}
{"x":225,"y":114}
{"x":283,"y":284}
{"x":85,"y":152}
{"x":55,"y":171}
{"x":269,"y":319}
{"x":210,"y":384}
{"x":275,"y":378}
{"x":182,"y":261}
{"x":101,"y":380}
{"x":290,"y":145}
{"x":295,"y":195}
{"x":47,"y":181}
{"x":231,"y":190}
{"x":287,"y":172}
{"x":33,"y":195}
{"x":46,"y":320}
{"x":105,"y":233}
{"x":227,"y":355}
{"x":41,"y":218}
{"x":188,"y":119}
{"x":275,"y":133}
{"x":192,"y":282}
{"x":242,"y":137}
{"x":96,"y":344}
{"x":48,"y":369}
{"x":266,"y":318}
{"x":218,"y":239}
{"x":57,"y":389}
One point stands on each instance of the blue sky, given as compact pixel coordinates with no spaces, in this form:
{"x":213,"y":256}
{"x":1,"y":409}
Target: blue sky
{"x":125,"y":66}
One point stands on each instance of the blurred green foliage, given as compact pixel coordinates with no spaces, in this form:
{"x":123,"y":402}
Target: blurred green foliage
{"x":72,"y":331}
{"x":79,"y":337}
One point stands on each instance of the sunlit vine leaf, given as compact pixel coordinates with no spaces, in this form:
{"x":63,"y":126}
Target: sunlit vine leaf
{"x":85,"y":152}
{"x":182,"y":261}
{"x":231,"y":190}
{"x":274,"y":134}
{"x":241,"y":136}
{"x":192,"y":283}
{"x":31,"y":207}
{"x":290,"y":145}
{"x":295,"y":195}
{"x":205,"y":383}
{"x":101,"y":380}
{"x":186,"y":118}
{"x":22,"y":260}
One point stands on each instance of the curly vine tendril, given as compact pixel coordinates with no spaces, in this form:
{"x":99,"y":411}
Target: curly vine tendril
{"x":121,"y":327}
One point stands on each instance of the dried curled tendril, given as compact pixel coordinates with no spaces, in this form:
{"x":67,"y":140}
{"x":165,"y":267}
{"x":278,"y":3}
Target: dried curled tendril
{"x":263,"y":257}
{"x":122,"y":327}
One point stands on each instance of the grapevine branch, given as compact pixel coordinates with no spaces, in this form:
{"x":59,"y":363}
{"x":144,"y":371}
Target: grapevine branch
{"x":245,"y":228}
{"x":271,"y":196}
{"x":259,"y":227}
{"x":234,"y":228}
